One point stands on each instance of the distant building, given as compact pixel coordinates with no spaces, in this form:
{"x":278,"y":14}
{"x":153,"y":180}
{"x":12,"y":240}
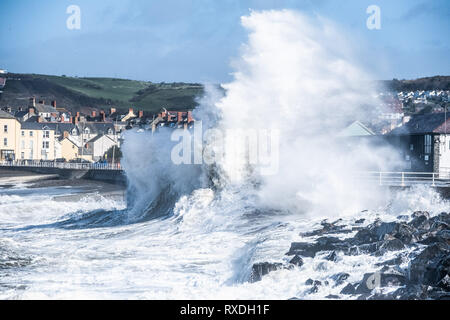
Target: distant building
{"x":9,"y":128}
{"x":424,"y":142}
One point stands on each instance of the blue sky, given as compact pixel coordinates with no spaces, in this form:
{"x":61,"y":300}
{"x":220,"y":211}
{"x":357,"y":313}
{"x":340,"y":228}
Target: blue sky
{"x":195,"y":40}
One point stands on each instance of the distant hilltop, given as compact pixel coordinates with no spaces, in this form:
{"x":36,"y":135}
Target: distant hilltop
{"x":75,"y":93}
{"x":88,"y":93}
{"x":421,"y":84}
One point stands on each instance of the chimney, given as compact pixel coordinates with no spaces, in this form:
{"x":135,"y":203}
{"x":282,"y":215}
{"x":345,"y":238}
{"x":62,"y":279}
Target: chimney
{"x":130,"y":110}
{"x":169,"y":116}
{"x":93,"y":114}
{"x":65,"y":134}
{"x":39,"y":119}
{"x":102,"y":114}
{"x":20,"y":108}
{"x":32,"y":102}
{"x":31,"y":110}
{"x":190,"y":119}
{"x":180,"y":116}
{"x":112,"y":110}
{"x":141,"y":113}
{"x":54,"y":104}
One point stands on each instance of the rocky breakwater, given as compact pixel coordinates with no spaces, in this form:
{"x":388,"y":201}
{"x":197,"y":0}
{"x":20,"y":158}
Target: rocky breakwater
{"x":419,"y":269}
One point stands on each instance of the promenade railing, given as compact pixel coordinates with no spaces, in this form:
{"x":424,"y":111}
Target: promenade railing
{"x":60,"y":165}
{"x":404,"y":179}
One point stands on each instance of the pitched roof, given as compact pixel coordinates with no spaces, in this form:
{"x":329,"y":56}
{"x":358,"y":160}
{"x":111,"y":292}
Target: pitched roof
{"x":99,"y":137}
{"x":4,"y":114}
{"x":356,"y":129}
{"x":424,"y":123}
{"x":45,"y":108}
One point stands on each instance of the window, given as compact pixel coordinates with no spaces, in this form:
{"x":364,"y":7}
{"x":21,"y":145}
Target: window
{"x":31,"y":133}
{"x":23,"y":144}
{"x":427,"y":143}
{"x":45,"y":144}
{"x":411,"y":147}
{"x":23,"y":133}
{"x":31,"y":144}
{"x":5,"y":141}
{"x":5,"y":128}
{"x":46,"y":134}
{"x":22,"y":155}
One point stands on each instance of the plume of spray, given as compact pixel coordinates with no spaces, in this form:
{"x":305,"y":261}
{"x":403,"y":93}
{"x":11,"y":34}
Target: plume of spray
{"x":297,"y":76}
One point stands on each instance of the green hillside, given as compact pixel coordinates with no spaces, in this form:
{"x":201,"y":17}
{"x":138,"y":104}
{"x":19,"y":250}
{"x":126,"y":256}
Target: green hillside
{"x":78,"y":93}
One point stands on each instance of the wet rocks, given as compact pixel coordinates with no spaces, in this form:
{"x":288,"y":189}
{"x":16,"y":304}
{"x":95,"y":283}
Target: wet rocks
{"x":297,"y":261}
{"x":422,"y":240}
{"x":262,"y":268}
{"x":306,"y":249}
{"x":348,"y":289}
{"x":327,"y":228}
{"x":431,"y":265}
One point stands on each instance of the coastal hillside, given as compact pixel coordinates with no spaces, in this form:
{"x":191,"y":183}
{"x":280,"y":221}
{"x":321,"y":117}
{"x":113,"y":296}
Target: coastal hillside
{"x":427,"y":83}
{"x":75,"y":93}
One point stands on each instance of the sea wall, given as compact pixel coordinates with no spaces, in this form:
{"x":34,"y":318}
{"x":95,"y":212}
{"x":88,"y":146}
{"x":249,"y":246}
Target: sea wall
{"x":112,"y":176}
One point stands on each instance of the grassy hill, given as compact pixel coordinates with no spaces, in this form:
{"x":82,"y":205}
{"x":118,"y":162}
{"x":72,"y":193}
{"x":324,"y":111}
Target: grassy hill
{"x":79,"y":93}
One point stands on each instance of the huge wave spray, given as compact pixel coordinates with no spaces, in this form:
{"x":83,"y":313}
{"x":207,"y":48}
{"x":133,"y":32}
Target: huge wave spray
{"x":296,"y":76}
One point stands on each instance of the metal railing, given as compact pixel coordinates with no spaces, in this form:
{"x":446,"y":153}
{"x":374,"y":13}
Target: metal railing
{"x":60,"y":165}
{"x":403,"y":179}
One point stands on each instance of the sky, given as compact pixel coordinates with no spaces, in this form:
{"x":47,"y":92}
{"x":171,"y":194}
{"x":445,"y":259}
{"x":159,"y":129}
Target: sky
{"x":197,"y":40}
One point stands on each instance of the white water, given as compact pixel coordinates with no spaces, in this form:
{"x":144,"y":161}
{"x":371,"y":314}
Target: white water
{"x":181,"y":238}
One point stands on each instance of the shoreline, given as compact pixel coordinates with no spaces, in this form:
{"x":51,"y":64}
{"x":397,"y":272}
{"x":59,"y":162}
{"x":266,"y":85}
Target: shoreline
{"x":82,"y":187}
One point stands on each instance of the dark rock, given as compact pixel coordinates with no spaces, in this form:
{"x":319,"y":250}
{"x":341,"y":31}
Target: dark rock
{"x":339,"y":278}
{"x":332,"y":296}
{"x":310,"y":249}
{"x":302,"y":248}
{"x":261,"y":269}
{"x":420,"y":222}
{"x":297,"y":260}
{"x":418,"y":214}
{"x":395,"y":261}
{"x":391,"y":245}
{"x":431,"y":265}
{"x":360,"y":221}
{"x":410,"y":292}
{"x":444,"y":283}
{"x":327,"y":228}
{"x":315,"y":285}
{"x":348,"y":289}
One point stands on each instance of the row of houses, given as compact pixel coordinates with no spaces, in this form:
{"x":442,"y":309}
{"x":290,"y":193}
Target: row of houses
{"x":38,"y":140}
{"x":46,"y":132}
